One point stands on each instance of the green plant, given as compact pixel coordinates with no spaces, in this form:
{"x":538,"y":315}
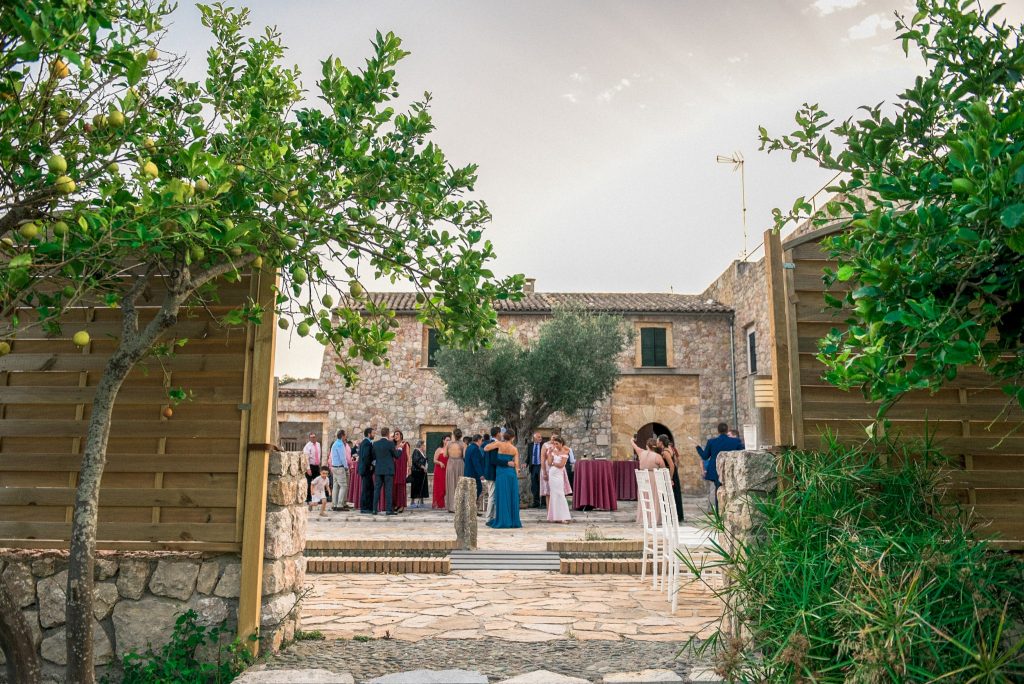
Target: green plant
{"x":314,"y":635}
{"x":362,"y":637}
{"x":862,"y":572}
{"x":931,"y":203}
{"x":180,"y":661}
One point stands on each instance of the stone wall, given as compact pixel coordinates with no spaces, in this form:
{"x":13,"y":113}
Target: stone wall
{"x":743,"y":287}
{"x":410,"y":396}
{"x":139,"y":595}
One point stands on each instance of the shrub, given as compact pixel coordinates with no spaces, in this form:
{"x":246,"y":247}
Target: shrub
{"x":181,"y":661}
{"x":864,"y":572}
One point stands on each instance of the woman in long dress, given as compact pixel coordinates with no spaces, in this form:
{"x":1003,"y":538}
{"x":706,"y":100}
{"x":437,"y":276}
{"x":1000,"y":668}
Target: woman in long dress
{"x":418,"y":476}
{"x":506,"y":483}
{"x":355,"y":483}
{"x":440,"y":473}
{"x":558,"y":506}
{"x":671,"y":455}
{"x":399,"y":499}
{"x":456,"y":467}
{"x":649,"y":459}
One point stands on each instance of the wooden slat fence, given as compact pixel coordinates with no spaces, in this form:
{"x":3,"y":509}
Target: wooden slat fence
{"x":169,"y":483}
{"x":969,"y":418}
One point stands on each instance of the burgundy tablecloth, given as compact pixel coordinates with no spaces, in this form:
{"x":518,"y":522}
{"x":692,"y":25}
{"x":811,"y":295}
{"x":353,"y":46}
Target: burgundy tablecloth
{"x":625,"y":479}
{"x":594,"y":485}
{"x":355,"y":487}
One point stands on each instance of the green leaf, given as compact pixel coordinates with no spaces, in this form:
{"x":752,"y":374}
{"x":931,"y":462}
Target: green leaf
{"x":1013,"y":215}
{"x":845,"y":272}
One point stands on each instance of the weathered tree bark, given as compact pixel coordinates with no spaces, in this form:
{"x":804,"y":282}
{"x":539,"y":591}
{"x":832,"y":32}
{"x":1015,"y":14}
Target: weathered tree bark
{"x":465,"y":513}
{"x":16,"y":640}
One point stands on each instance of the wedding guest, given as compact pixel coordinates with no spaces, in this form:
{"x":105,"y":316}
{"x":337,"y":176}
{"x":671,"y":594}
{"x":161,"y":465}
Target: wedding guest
{"x":455,"y":468}
{"x":365,"y":468}
{"x":402,"y":465}
{"x":558,"y":457}
{"x":671,"y":456}
{"x":318,"y":492}
{"x":490,"y":467}
{"x":384,"y":457}
{"x":475,"y":465}
{"x":418,"y":476}
{"x":312,"y":452}
{"x":535,"y":469}
{"x":709,"y":460}
{"x":506,"y":485}
{"x":340,"y":462}
{"x":650,"y":459}
{"x":440,"y":472}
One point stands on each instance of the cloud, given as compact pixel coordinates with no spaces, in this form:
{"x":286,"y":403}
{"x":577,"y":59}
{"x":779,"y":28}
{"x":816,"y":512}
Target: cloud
{"x":826,"y":7}
{"x":578,"y":77}
{"x":736,"y":59}
{"x":869,"y":27}
{"x":571,"y":97}
{"x":607,"y":94}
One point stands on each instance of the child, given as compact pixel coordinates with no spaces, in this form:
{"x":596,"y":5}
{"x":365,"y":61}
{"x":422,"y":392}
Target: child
{"x":318,"y":491}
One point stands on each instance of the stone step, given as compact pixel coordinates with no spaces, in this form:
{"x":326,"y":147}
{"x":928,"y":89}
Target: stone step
{"x":408,"y":546}
{"x":615,"y":566}
{"x":504,"y":560}
{"x":378,"y":565}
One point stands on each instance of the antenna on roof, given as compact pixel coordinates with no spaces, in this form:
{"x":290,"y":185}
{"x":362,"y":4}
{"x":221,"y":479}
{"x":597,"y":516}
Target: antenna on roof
{"x":738,"y":164}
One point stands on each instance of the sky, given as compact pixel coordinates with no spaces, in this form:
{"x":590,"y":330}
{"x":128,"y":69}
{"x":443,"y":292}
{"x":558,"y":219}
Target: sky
{"x":596,"y":123}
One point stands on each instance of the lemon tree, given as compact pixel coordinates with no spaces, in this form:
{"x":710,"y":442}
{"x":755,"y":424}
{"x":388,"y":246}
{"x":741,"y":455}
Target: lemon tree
{"x":115,"y":172}
{"x":932,"y":206}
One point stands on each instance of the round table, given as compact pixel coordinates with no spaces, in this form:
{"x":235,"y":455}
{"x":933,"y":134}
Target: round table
{"x":594,"y":485}
{"x":625,"y":479}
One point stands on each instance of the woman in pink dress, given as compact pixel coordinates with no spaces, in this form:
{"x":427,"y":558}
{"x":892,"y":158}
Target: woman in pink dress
{"x":402,"y":468}
{"x":650,"y":460}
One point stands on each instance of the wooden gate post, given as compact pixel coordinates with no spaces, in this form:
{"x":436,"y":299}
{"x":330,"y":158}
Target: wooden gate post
{"x":781,"y":370}
{"x":261,"y":399}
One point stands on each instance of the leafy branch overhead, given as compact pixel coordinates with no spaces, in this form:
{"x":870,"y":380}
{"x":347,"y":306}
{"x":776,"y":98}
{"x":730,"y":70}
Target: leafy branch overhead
{"x":932,"y":205}
{"x":112,"y":168}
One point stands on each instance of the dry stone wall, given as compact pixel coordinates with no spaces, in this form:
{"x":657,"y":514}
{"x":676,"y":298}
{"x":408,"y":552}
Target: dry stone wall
{"x":139,"y":595}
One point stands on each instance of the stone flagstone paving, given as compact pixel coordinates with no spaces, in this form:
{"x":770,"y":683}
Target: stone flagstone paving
{"x":516,"y":607}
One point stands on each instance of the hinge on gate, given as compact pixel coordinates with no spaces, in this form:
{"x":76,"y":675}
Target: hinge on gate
{"x":789,"y":266}
{"x":245,"y":407}
{"x":264,"y":447}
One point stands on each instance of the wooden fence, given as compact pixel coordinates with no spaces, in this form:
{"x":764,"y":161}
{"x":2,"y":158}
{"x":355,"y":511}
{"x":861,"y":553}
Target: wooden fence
{"x":170,"y":483}
{"x":969,"y":418}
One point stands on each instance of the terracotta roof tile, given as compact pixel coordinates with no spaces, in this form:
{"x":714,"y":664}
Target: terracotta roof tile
{"x":603,"y":302}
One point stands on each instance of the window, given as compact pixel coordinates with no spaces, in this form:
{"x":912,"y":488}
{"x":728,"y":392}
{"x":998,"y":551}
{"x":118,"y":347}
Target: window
{"x":751,"y":349}
{"x":653,"y":347}
{"x":430,"y":347}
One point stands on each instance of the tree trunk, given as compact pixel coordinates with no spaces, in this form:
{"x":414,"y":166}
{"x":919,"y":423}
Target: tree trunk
{"x":16,"y":640}
{"x":81,"y":558}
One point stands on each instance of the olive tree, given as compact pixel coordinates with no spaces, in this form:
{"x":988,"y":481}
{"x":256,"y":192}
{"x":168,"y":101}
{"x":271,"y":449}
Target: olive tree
{"x":571,"y":365}
{"x":118,"y":176}
{"x":931,"y":203}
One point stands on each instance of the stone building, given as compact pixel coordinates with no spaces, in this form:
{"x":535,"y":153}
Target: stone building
{"x":693,"y":362}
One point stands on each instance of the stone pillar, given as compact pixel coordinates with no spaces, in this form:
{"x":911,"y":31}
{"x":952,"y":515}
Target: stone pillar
{"x":746,"y":476}
{"x":284,"y":566}
{"x":465,"y":513}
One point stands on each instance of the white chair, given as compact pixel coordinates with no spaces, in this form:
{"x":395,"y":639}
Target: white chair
{"x":647,"y":501}
{"x":669,"y":534}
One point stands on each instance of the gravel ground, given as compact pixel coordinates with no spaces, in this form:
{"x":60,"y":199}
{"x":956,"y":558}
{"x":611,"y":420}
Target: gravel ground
{"x":496,"y":659}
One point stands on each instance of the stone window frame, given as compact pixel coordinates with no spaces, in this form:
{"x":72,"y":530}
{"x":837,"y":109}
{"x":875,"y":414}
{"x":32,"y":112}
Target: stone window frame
{"x":425,"y":348}
{"x":670,"y":353}
{"x":750,"y":344}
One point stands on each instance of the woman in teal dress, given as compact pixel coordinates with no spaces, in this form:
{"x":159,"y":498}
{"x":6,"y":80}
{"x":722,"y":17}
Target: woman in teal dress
{"x":506,"y":484}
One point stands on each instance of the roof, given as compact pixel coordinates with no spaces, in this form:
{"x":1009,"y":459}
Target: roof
{"x":602,"y":302}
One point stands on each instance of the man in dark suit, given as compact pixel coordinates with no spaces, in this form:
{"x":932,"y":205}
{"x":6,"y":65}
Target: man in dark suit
{"x":384,"y":457}
{"x":709,"y":459}
{"x":490,"y":470}
{"x":365,"y":471}
{"x":534,"y":459}
{"x":475,"y":466}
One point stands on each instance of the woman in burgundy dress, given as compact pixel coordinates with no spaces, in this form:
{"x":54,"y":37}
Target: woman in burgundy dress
{"x":402,"y":468}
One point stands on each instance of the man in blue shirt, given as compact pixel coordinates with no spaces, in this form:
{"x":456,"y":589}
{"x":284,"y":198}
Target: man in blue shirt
{"x":340,"y":454}
{"x":709,"y":459}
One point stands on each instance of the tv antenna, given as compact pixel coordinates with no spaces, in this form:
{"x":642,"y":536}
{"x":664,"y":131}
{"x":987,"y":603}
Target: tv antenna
{"x":738,"y":164}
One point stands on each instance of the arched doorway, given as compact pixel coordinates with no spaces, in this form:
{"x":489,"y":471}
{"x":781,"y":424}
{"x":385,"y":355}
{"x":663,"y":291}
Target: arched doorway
{"x":652,"y":430}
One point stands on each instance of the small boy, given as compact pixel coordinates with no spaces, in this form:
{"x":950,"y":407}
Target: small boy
{"x":318,"y":491}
